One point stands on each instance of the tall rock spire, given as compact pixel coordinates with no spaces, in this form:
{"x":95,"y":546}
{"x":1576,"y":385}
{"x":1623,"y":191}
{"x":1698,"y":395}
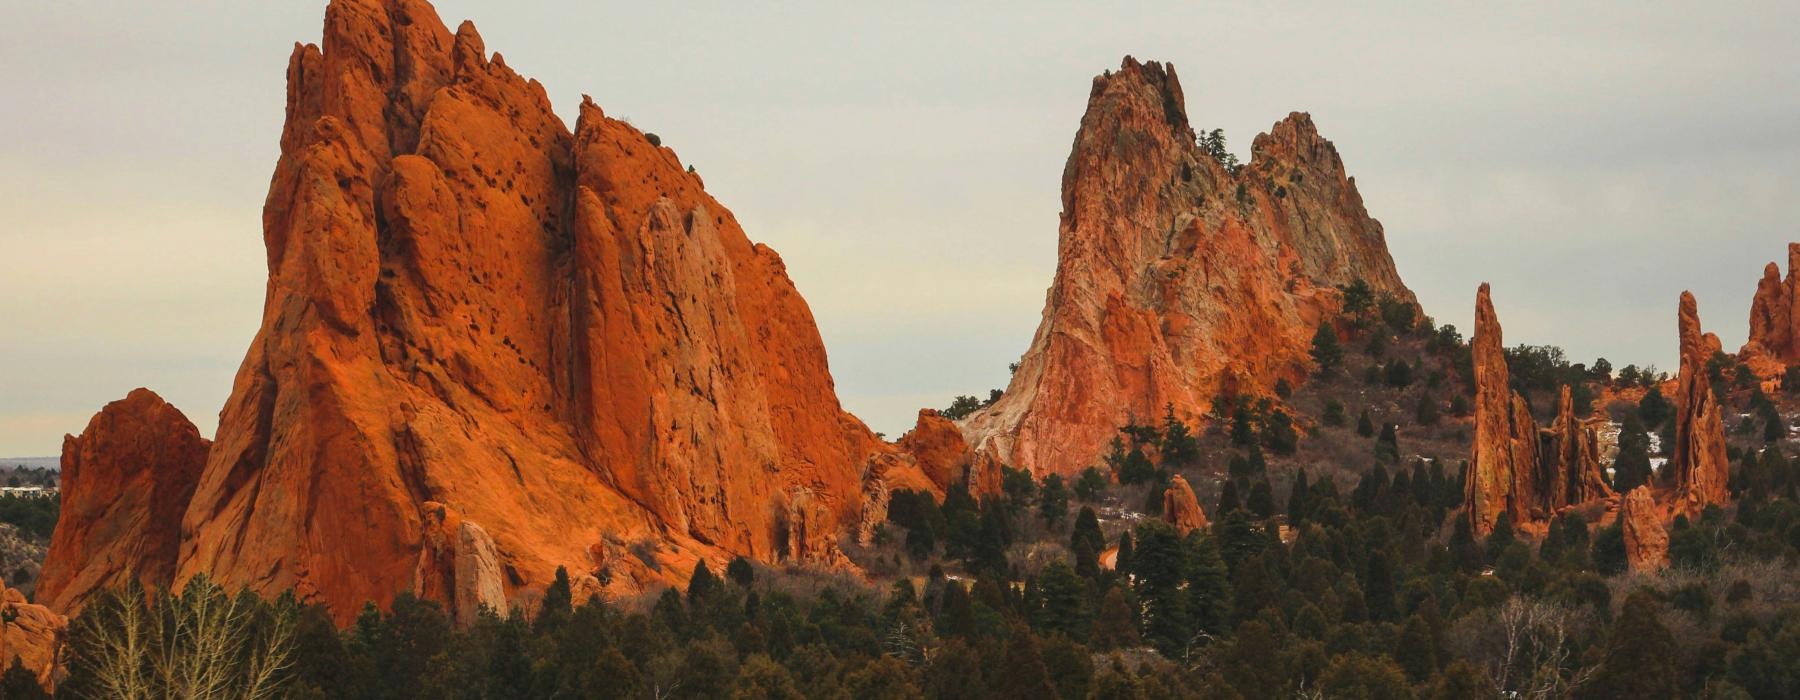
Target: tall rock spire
{"x":1178,"y":278}
{"x":1698,"y":468}
{"x":1573,"y":462}
{"x":1503,"y":473}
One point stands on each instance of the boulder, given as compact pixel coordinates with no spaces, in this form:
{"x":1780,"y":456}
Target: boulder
{"x":1646,"y":538}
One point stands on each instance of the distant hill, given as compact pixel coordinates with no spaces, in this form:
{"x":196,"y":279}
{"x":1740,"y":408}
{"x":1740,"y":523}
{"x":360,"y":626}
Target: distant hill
{"x":50,"y":463}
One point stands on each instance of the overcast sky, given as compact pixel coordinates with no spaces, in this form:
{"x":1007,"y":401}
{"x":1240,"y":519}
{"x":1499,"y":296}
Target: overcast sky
{"x":1589,"y":161}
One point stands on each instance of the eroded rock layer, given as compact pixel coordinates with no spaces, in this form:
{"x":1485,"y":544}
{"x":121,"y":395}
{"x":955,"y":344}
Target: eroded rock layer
{"x":126,"y":481}
{"x":1176,"y":277}
{"x":490,"y":347}
{"x":1697,"y":467}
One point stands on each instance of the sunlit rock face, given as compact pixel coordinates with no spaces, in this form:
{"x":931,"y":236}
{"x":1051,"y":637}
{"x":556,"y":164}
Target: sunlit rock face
{"x":1176,"y":277}
{"x":126,"y":481}
{"x":1698,"y":467}
{"x":557,"y":336}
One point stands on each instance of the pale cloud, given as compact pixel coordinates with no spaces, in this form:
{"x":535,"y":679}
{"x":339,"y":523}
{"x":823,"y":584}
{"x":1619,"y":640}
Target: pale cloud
{"x":1589,"y":160}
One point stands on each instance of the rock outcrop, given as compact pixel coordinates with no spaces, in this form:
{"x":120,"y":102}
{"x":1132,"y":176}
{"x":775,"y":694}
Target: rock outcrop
{"x":1774,"y":343}
{"x":938,"y":447}
{"x":1572,"y":459}
{"x":1697,"y":467}
{"x":34,"y":634}
{"x":557,"y":335}
{"x":1178,"y":278}
{"x":1503,"y":472}
{"x":1646,"y":539}
{"x":126,"y":481}
{"x":1180,"y":508}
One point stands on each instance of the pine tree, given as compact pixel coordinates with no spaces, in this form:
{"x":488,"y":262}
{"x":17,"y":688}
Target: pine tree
{"x":1387,"y":446}
{"x":1026,"y":677}
{"x":1053,"y":500}
{"x":1064,"y":599}
{"x":1178,"y":446}
{"x":1160,"y":567}
{"x":1116,"y":626}
{"x":1364,"y":426}
{"x":1327,"y":354}
{"x":1638,"y":651}
{"x":1631,"y":468}
{"x":1416,"y":649}
{"x":1296,"y":505}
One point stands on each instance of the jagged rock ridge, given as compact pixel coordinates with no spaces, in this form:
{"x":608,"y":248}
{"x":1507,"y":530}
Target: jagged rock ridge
{"x":492,"y":346}
{"x":1176,"y":277}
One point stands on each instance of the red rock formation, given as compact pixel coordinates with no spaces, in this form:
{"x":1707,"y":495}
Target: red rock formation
{"x":1697,"y":468}
{"x":1177,"y":278}
{"x":126,"y":481}
{"x":1503,"y":474}
{"x":1181,"y":508}
{"x":559,"y":336}
{"x":938,"y":447}
{"x":1646,"y":540}
{"x":1774,"y":342}
{"x":1573,"y":459}
{"x":34,"y":635}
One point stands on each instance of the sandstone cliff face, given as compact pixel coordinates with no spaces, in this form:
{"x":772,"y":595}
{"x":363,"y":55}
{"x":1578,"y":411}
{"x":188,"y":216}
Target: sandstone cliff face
{"x":558,"y":336}
{"x":1176,"y":278}
{"x":1774,"y":342}
{"x":1504,"y":466}
{"x":1698,"y":467}
{"x":1573,"y":459}
{"x":1646,"y":540}
{"x":1181,"y":508}
{"x":126,"y":480}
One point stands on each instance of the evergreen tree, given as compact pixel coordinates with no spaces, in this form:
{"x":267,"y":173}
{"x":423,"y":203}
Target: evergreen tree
{"x":1053,"y":500}
{"x":1228,"y":497}
{"x":1334,"y":413}
{"x":1378,"y":588}
{"x":1638,"y":653}
{"x":1427,"y":411}
{"x":1026,"y":677}
{"x":1178,"y":446}
{"x":17,"y":683}
{"x":1116,"y":626}
{"x":1387,"y":446}
{"x":1262,"y":499}
{"x":1416,"y":649}
{"x":1159,"y":567}
{"x":1631,"y":468}
{"x":1327,"y":353}
{"x":1065,"y":600}
{"x":1087,"y":534}
{"x":1089,"y":486}
{"x":1296,"y":503}
{"x":740,"y":572}
{"x":1364,"y":426}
